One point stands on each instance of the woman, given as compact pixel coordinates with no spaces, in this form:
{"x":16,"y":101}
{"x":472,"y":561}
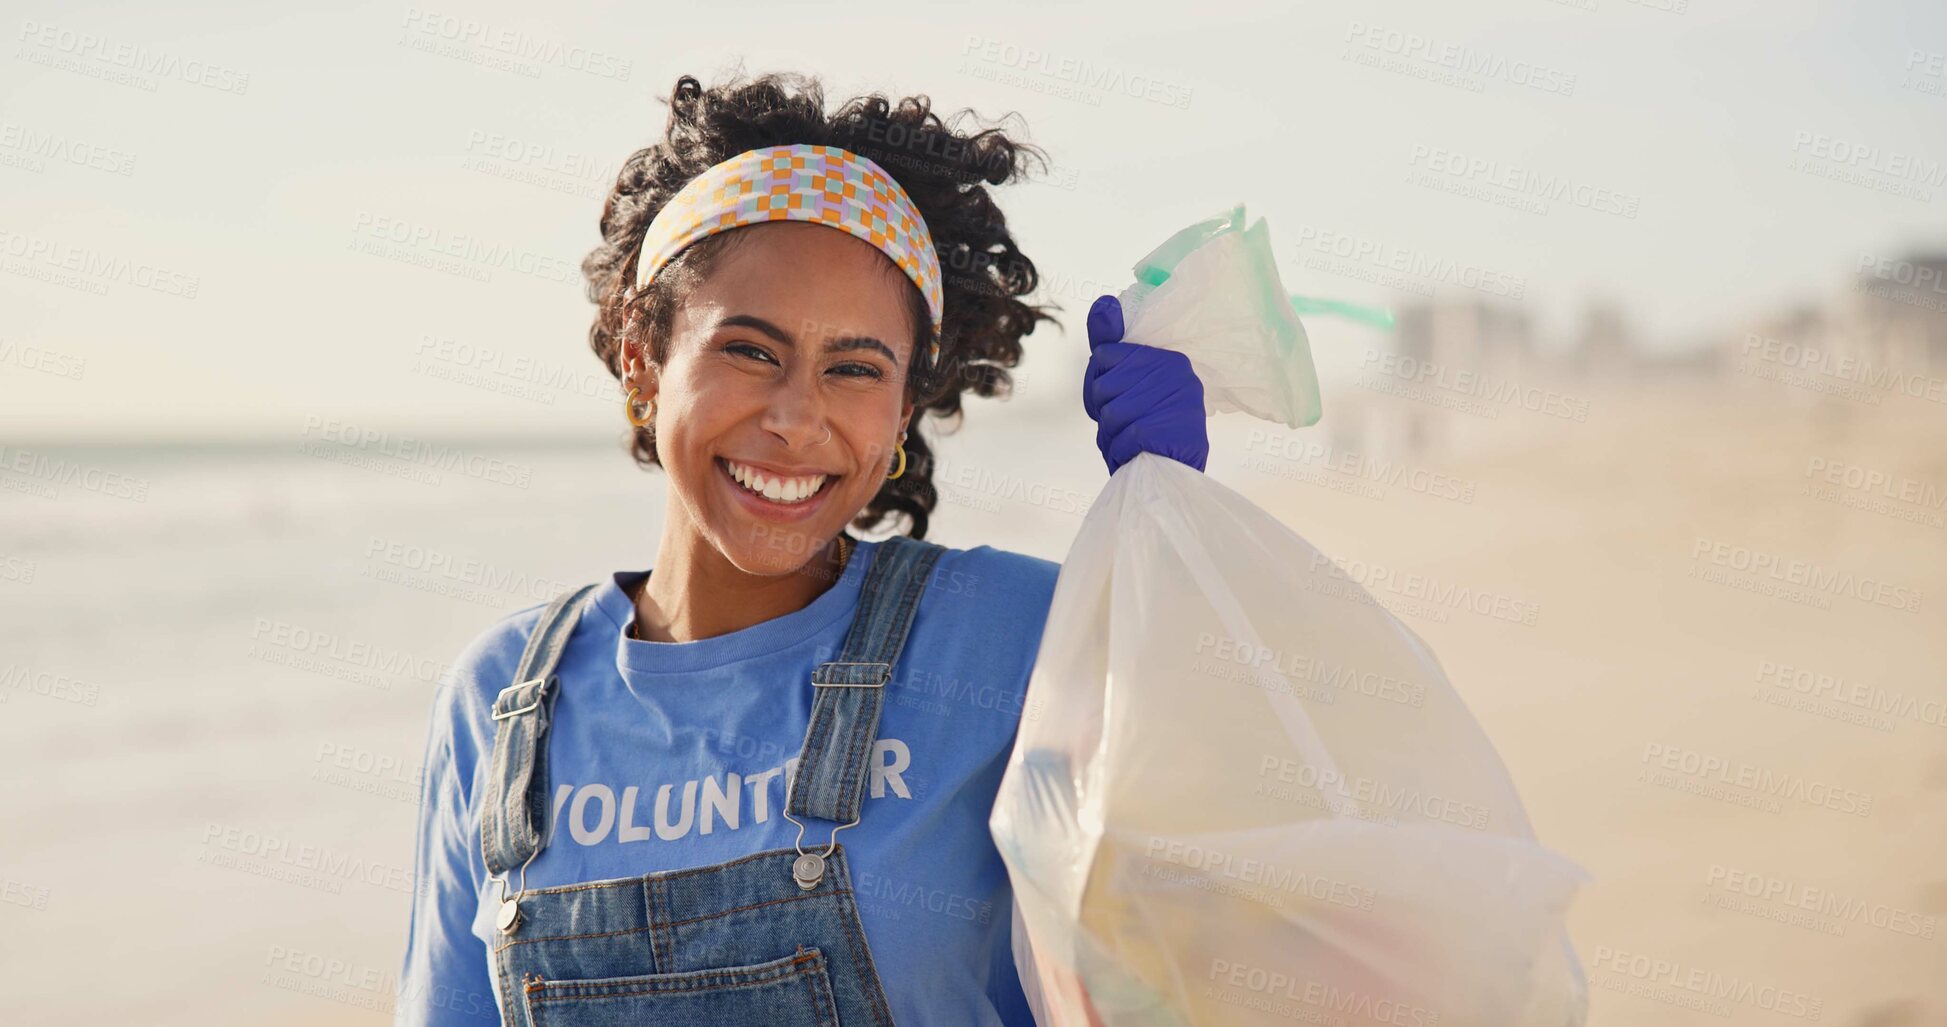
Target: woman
{"x":634,"y":794}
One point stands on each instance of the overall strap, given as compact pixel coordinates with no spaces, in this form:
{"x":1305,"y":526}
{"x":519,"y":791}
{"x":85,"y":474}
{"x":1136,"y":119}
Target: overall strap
{"x":849,"y":692}
{"x":514,"y":803}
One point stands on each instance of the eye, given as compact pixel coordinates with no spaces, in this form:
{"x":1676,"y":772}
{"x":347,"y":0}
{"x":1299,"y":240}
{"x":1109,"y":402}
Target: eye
{"x":745,"y":347}
{"x":858,"y":370}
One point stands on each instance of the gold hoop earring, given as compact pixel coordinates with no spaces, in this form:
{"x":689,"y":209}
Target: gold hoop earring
{"x":628,"y":407}
{"x":902,"y":458}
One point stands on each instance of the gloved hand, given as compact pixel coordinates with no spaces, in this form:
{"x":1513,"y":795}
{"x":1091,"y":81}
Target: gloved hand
{"x":1143,"y":399}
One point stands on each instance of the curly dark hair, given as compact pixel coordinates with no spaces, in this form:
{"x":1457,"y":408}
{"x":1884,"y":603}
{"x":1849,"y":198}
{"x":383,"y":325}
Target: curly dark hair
{"x":983,"y":272}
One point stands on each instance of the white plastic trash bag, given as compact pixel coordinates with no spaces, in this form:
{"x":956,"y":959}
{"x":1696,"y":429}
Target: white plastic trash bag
{"x":1248,"y":794}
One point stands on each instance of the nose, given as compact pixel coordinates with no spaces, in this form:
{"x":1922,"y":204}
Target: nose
{"x":796,"y":416}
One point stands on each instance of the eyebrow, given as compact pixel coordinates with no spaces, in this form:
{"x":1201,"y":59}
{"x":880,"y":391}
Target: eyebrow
{"x":783,"y":338}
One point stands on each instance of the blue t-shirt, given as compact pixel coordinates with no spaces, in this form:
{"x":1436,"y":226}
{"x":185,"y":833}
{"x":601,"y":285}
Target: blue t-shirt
{"x":665,"y":755}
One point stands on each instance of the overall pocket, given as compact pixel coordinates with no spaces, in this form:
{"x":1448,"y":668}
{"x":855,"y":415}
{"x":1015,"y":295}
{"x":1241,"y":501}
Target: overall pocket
{"x":794,"y":991}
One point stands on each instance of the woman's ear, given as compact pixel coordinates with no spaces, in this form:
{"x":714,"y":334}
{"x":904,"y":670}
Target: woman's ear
{"x":637,"y":373}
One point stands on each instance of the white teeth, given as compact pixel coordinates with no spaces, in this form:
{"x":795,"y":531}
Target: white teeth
{"x":774,"y":488}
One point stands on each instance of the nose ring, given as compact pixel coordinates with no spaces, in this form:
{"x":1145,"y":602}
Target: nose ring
{"x":828,"y":435}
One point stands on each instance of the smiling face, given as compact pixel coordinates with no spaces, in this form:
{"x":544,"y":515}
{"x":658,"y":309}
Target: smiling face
{"x":786,"y":370}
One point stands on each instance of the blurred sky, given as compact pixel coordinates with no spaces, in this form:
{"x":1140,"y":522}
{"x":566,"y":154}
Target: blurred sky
{"x":261,"y":192}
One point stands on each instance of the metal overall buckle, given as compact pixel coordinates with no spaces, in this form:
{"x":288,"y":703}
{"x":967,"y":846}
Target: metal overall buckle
{"x":809,"y":868}
{"x":509,"y":917}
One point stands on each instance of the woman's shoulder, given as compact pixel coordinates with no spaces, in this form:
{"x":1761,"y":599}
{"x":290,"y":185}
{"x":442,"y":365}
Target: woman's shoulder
{"x":992,"y":605}
{"x":1024,"y":567}
{"x":1012,"y":581}
{"x":485,"y":665}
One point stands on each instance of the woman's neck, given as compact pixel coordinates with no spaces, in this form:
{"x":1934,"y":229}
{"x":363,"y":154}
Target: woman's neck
{"x":695,"y":592}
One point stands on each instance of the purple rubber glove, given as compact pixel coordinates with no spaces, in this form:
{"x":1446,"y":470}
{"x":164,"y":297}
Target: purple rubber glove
{"x":1143,"y":399}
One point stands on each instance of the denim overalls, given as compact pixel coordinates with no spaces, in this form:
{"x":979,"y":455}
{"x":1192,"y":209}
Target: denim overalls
{"x":772,"y":938}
